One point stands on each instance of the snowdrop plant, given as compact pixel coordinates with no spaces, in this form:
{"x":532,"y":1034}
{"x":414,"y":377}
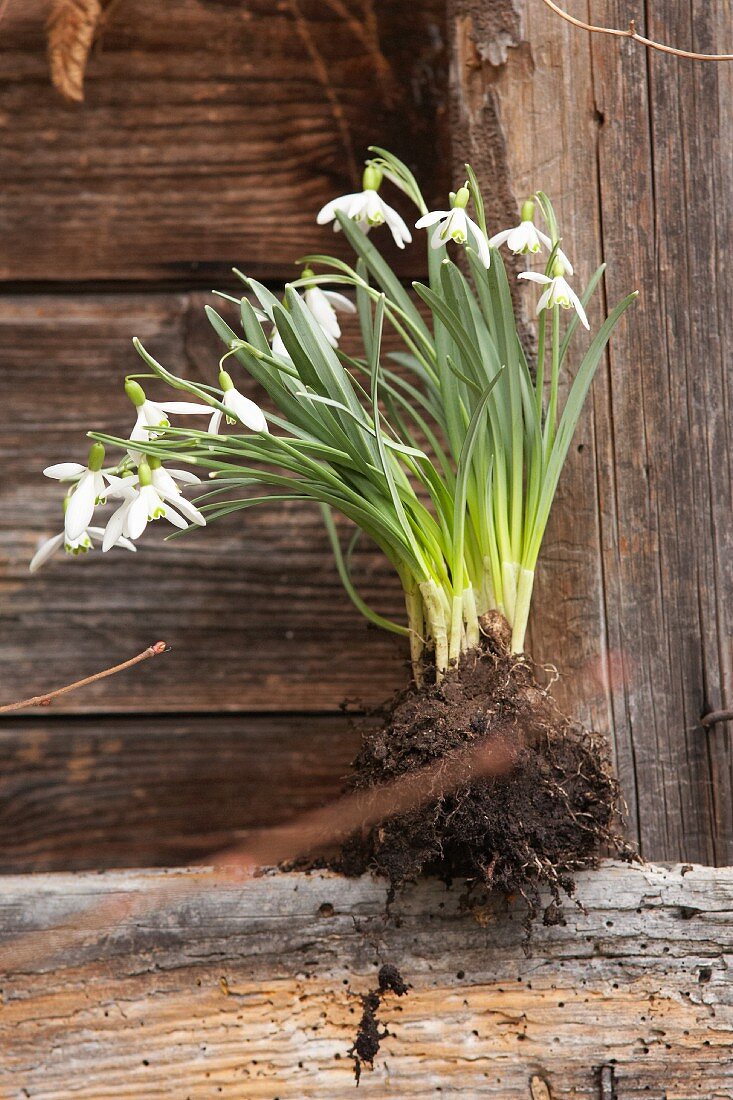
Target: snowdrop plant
{"x":445,"y":450}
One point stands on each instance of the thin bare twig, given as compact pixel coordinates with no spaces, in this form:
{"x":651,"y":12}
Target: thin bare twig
{"x":321,"y":69}
{"x":45,"y":700}
{"x":635,"y":36}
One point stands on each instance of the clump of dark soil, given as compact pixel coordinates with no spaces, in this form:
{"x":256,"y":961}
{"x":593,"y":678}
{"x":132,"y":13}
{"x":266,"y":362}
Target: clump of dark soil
{"x":369,"y":1036}
{"x":530,"y":828}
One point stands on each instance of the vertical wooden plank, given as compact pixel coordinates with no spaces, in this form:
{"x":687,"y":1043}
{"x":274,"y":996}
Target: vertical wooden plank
{"x":636,"y":578}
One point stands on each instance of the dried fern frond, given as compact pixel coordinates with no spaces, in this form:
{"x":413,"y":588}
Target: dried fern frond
{"x":71,"y":27}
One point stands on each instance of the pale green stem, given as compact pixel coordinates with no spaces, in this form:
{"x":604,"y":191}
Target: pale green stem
{"x":456,"y":628}
{"x":521,"y":611}
{"x":551,"y":425}
{"x":416,"y":622}
{"x":470,"y":614}
{"x":435,"y":616}
{"x":509,"y":577}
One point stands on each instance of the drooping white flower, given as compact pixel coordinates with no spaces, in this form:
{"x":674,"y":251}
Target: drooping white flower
{"x":239,"y":408}
{"x":323,"y":305}
{"x":154,"y":414}
{"x":90,"y":489}
{"x":80,"y":545}
{"x":526,"y":237}
{"x":455,"y":225}
{"x":143,"y":503}
{"x":557,"y":292}
{"x":367,"y":208}
{"x":278,"y":347}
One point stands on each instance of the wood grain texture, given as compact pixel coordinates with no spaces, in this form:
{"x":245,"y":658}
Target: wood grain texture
{"x":253,"y":606}
{"x":636,"y":577}
{"x":158,"y":791}
{"x":251,"y":991}
{"x":211,"y":133}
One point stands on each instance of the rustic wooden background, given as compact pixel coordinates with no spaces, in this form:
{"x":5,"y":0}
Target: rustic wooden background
{"x":210,"y":139}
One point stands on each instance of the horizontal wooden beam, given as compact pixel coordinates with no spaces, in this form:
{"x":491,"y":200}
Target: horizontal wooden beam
{"x":210,"y":137}
{"x":154,"y":790}
{"x":253,"y":990}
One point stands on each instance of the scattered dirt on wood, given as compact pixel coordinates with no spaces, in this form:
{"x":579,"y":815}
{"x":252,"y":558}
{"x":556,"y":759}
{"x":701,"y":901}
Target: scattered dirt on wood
{"x":517,"y":833}
{"x":369,"y":1036}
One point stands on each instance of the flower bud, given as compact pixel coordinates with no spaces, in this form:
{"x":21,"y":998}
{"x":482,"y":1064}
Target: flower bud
{"x":462,"y":197}
{"x":372,"y":178}
{"x":96,"y":457}
{"x":135,"y":392}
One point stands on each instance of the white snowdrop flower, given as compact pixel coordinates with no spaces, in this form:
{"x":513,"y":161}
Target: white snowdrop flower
{"x":367,"y":209}
{"x":323,"y":304}
{"x":455,"y":225}
{"x":80,"y":545}
{"x":144,"y":503}
{"x":239,"y":408}
{"x":90,"y":490}
{"x":526,"y":237}
{"x":278,"y":347}
{"x":153,"y":414}
{"x":557,"y":292}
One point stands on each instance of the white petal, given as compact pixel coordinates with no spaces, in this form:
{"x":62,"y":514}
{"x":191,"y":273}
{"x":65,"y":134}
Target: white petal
{"x":482,"y":245}
{"x":137,"y":516}
{"x":45,"y":550}
{"x":185,"y":475}
{"x":215,"y":422}
{"x":578,"y":306}
{"x":80,"y":509}
{"x":498,"y":239}
{"x":246,"y":411}
{"x":437,"y":240}
{"x":327,"y":213}
{"x":431,"y":218}
{"x":544,"y":299}
{"x":184,"y":408}
{"x":534,"y":277}
{"x":339,"y":301}
{"x":172,"y":516}
{"x":64,"y":469}
{"x":115,"y":525}
{"x":560,"y":254}
{"x":398,"y":225}
{"x":188,"y":510}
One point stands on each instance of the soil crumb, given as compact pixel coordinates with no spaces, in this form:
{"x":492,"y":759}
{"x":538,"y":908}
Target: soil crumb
{"x":369,"y":1036}
{"x":518,"y":833}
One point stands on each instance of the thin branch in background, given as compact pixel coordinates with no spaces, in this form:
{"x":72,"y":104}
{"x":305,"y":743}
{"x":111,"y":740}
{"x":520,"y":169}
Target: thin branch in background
{"x":46,"y":699}
{"x":633,"y":34}
{"x":367,"y":33}
{"x":301,"y":25}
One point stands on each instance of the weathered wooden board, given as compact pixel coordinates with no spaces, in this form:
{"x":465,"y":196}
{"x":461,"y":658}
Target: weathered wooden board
{"x":251,"y":991}
{"x":211,"y":134}
{"x":141,"y":791}
{"x":253,"y":607}
{"x":636,"y":578}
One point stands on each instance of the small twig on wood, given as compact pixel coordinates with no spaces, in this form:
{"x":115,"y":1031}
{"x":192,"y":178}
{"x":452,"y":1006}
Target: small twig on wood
{"x":45,"y":700}
{"x":635,"y":36}
{"x":321,"y":69}
{"x":715,"y":717}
